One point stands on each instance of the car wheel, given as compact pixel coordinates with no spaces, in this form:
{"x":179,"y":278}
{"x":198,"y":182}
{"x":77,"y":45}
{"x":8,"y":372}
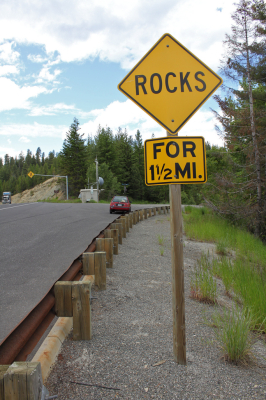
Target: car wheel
{"x":111,"y":212}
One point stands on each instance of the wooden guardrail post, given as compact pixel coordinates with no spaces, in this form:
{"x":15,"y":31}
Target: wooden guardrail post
{"x":154,"y":210}
{"x":134,"y":218}
{"x":122,"y":220}
{"x":23,"y":381}
{"x":112,"y":234}
{"x":73,"y":299}
{"x":149,"y":210}
{"x":106,"y":244}
{"x":127,"y":222}
{"x":100,"y":269}
{"x":141,"y":215}
{"x":88,"y":263}
{"x":137,"y":216}
{"x":3,"y":369}
{"x":63,"y":298}
{"x":118,"y":226}
{"x":145,"y":213}
{"x":130,"y":219}
{"x":158,"y":209}
{"x":81,"y":310}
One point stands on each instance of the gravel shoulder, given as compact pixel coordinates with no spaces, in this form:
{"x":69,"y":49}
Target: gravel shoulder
{"x":131,"y":348}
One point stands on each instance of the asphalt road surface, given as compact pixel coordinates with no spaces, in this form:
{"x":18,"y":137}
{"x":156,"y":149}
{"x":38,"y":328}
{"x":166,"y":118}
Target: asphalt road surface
{"x":38,"y":243}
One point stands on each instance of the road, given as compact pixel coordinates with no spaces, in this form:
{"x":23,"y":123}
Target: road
{"x":39,"y":241}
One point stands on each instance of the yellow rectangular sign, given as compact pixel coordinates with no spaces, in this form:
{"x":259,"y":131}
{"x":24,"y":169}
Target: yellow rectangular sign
{"x":175,"y":160}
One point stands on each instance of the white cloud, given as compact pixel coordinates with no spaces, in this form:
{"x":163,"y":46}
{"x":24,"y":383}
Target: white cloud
{"x":127,"y":115}
{"x":37,"y":58}
{"x":24,"y":139}
{"x":8,"y":70}
{"x":14,"y":96}
{"x":119,"y":31}
{"x":46,"y":76}
{"x":7,"y":150}
{"x":34,"y":130}
{"x":7,"y":54}
{"x":52,"y":109}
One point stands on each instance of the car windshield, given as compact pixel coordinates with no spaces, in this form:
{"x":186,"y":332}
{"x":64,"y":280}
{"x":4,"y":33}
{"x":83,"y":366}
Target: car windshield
{"x":120,"y":199}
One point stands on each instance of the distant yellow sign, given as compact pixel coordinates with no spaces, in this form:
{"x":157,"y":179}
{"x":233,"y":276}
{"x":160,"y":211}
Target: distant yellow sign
{"x":170,"y":83}
{"x":30,"y":174}
{"x":172,"y":160}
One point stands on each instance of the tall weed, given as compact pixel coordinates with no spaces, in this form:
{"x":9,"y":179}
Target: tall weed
{"x":202,"y":283}
{"x":233,"y":334}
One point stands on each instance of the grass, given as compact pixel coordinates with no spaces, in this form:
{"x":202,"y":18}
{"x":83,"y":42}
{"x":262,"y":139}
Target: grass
{"x":246,"y":274}
{"x":160,"y":240}
{"x":161,"y":251}
{"x":233,"y":334}
{"x":202,"y":283}
{"x":59,"y":201}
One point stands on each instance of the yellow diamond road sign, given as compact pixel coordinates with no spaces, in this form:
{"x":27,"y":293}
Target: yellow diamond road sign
{"x":170,"y":83}
{"x":30,"y":174}
{"x":171,"y":160}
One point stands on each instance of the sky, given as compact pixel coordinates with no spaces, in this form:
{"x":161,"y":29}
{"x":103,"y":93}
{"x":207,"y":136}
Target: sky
{"x":63,"y":59}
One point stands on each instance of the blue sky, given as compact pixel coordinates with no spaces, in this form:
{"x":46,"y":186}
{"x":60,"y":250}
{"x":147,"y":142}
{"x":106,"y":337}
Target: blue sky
{"x":64,"y":59}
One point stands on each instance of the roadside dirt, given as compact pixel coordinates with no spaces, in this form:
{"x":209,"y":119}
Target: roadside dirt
{"x":49,"y":189}
{"x":130,"y":355}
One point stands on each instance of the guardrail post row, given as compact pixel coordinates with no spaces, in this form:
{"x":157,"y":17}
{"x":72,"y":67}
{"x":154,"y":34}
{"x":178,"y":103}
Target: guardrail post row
{"x":118,"y":226}
{"x":81,"y":310}
{"x":23,"y":381}
{"x":63,"y":298}
{"x":112,"y":234}
{"x":100,"y":269}
{"x":106,"y":244}
{"x":88,"y":263}
{"x":149,"y":210}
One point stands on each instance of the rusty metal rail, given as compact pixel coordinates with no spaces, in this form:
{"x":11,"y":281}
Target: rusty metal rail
{"x":23,"y":339}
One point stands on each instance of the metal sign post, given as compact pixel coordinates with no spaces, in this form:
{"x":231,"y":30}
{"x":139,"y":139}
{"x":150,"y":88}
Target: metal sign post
{"x":31,"y":175}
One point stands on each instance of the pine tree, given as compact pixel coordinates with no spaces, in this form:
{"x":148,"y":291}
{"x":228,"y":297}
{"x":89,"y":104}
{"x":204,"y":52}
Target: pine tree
{"x":242,"y":184}
{"x":73,"y":159}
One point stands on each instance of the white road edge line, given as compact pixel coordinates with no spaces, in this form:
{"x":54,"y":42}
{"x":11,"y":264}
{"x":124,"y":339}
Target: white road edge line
{"x":21,"y":205}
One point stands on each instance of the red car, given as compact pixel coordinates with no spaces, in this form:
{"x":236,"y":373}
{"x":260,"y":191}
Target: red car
{"x":120,"y":203}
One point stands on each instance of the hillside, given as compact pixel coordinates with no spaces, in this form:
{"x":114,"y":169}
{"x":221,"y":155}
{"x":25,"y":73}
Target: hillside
{"x":43,"y":191}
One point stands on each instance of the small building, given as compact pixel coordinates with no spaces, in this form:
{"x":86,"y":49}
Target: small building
{"x":86,"y":195}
